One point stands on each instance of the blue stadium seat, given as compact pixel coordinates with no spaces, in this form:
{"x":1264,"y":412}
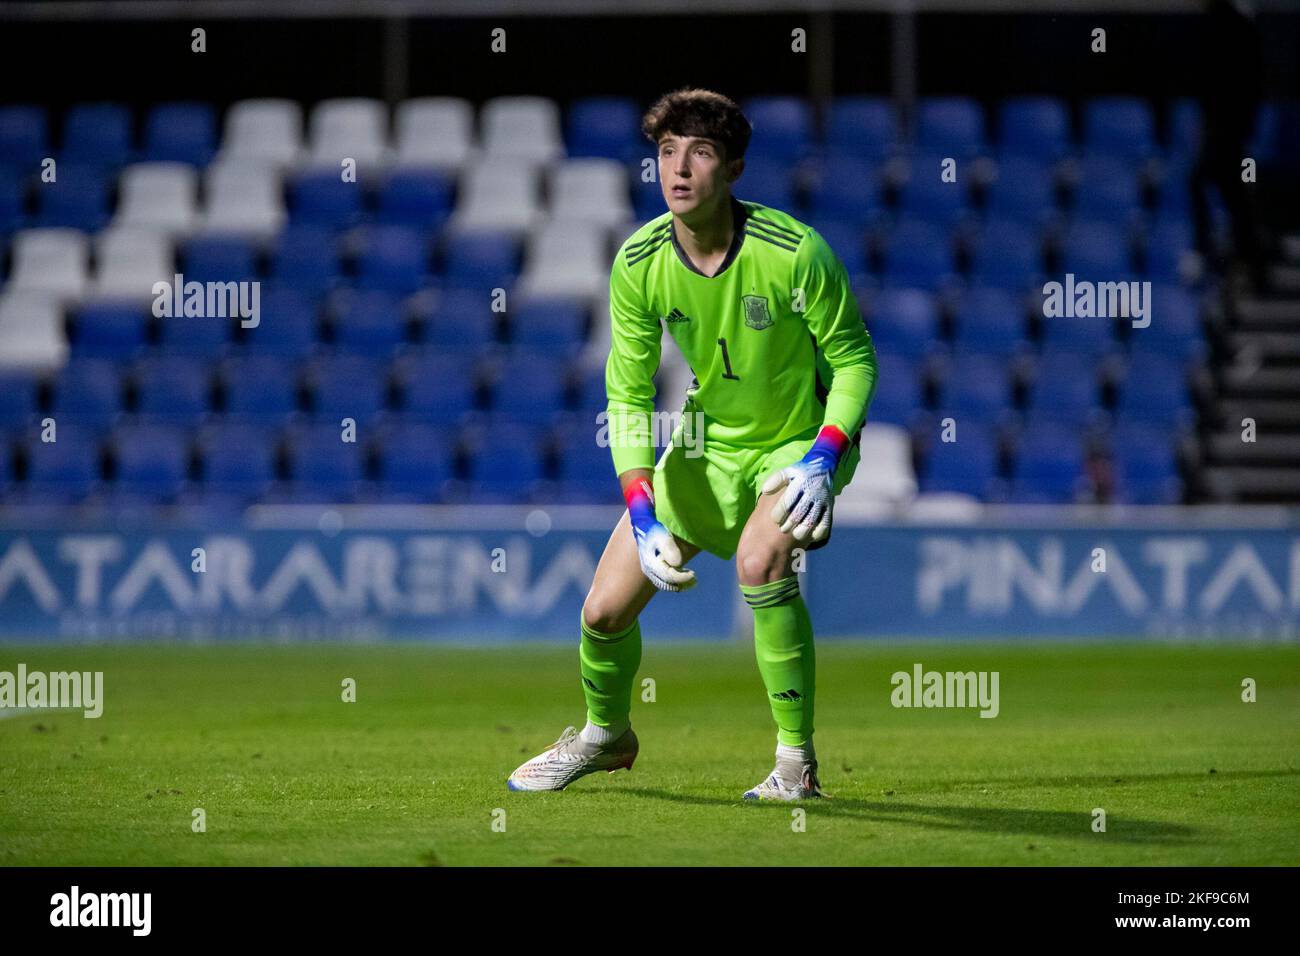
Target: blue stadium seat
{"x":592,"y":398}
{"x":1093,"y":337}
{"x":951,"y":126}
{"x":584,"y":468}
{"x":1048,"y":465}
{"x":862,"y":126}
{"x":110,"y":329}
{"x":1025,"y":191}
{"x":348,"y":386}
{"x":927,"y":198}
{"x":1007,"y":255}
{"x":484,"y":259}
{"x":1185,"y":130}
{"x":461,"y":319}
{"x":976,"y":390}
{"x":848,"y":241}
{"x":219,"y":259}
{"x":306,"y":258}
{"x":1037,"y":126}
{"x":505,"y":463}
{"x":78,"y":199}
{"x":152,"y":462}
{"x":606,"y":126}
{"x":173,"y":390}
{"x":65,"y":470}
{"x":766,"y":181}
{"x":419,"y":199}
{"x":550,"y":326}
{"x":647,"y":198}
{"x":288,"y":326}
{"x":1107,"y":189}
{"x":1146,"y":468}
{"x":1168,"y":245}
{"x":87,"y":394}
{"x":259,"y":389}
{"x":1174,"y":199}
{"x":783,"y":130}
{"x":1064,"y":392}
{"x":393,"y":259}
{"x":437,"y":389}
{"x":1121,"y":126}
{"x":323,"y":467}
{"x":528,"y":388}
{"x":371,"y":323}
{"x":967,"y":466}
{"x":97,"y":133}
{"x":238,"y":461}
{"x":904,"y":322}
{"x":847,"y":190}
{"x":990,"y":322}
{"x":918,"y":255}
{"x":1175,"y":331}
{"x":415,"y":462}
{"x":181,"y":133}
{"x":898,"y":391}
{"x":1096,"y":251}
{"x":191,"y":336}
{"x":322,"y":198}
{"x":24,"y":136}
{"x":1155,"y":393}
{"x":17,"y":400}
{"x":13,"y":201}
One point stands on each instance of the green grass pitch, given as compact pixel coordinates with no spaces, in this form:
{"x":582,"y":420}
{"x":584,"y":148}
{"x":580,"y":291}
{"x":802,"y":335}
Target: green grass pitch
{"x":413,"y":773}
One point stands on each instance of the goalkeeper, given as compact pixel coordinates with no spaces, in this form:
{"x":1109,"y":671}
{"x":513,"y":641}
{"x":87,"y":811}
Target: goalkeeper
{"x":784,"y":370}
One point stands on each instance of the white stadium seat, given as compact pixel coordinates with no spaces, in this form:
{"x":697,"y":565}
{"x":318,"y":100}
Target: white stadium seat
{"x":129,"y":262}
{"x":522,"y":127}
{"x":242,"y":198}
{"x":498,"y":194}
{"x":50,"y":260}
{"x":348,"y":129}
{"x":32,"y":336}
{"x":269,"y":130}
{"x":885,"y":474}
{"x":435,"y":132}
{"x":591,"y":190}
{"x":162,"y":196}
{"x":566,"y":259}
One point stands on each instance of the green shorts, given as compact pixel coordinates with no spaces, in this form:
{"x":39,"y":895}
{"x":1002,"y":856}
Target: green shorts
{"x":705,"y":495}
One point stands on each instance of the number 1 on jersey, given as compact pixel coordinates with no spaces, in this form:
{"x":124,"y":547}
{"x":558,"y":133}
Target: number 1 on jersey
{"x":726,"y":362}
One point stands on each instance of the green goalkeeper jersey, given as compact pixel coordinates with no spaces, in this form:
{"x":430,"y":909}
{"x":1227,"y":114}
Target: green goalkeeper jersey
{"x":775,"y":340}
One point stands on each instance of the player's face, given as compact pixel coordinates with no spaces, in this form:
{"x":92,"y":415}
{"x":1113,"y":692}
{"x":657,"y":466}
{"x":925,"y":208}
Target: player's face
{"x":692,"y":174}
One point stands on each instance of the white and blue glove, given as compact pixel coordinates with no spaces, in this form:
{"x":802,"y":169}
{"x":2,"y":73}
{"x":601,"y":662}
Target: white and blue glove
{"x":661,"y":559}
{"x":805,"y":508}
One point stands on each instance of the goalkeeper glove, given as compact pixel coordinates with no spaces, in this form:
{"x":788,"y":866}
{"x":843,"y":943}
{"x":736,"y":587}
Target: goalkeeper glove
{"x":805,"y":508}
{"x":661,"y":559}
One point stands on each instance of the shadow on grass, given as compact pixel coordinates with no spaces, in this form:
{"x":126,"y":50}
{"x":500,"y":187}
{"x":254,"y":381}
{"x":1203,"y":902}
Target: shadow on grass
{"x":1101,"y":780}
{"x":1043,"y":823}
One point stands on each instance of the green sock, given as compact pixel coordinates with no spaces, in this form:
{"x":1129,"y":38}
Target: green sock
{"x":783,"y":643}
{"x":609,"y":664}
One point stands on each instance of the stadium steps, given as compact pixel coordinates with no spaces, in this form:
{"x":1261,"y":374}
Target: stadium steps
{"x":1260,"y":381}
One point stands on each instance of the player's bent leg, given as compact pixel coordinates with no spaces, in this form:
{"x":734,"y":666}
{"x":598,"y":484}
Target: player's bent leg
{"x":609,"y":656}
{"x":783,"y":646}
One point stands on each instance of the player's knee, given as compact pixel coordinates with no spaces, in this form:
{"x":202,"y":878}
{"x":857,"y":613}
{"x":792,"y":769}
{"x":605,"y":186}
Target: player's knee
{"x":755,"y":566}
{"x":606,"y":616}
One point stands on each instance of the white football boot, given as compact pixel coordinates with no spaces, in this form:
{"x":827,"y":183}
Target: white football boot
{"x":571,"y":757}
{"x":777,"y":787}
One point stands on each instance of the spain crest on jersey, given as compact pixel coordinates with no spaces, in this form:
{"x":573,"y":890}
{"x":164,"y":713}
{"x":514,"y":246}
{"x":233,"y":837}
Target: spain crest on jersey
{"x":756,"y":314}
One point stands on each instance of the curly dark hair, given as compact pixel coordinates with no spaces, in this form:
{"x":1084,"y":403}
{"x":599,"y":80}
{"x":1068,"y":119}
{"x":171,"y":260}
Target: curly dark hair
{"x":697,"y":112}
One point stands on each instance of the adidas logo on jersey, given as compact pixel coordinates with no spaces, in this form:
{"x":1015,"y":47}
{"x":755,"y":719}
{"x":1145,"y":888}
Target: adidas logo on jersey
{"x":676,"y":316}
